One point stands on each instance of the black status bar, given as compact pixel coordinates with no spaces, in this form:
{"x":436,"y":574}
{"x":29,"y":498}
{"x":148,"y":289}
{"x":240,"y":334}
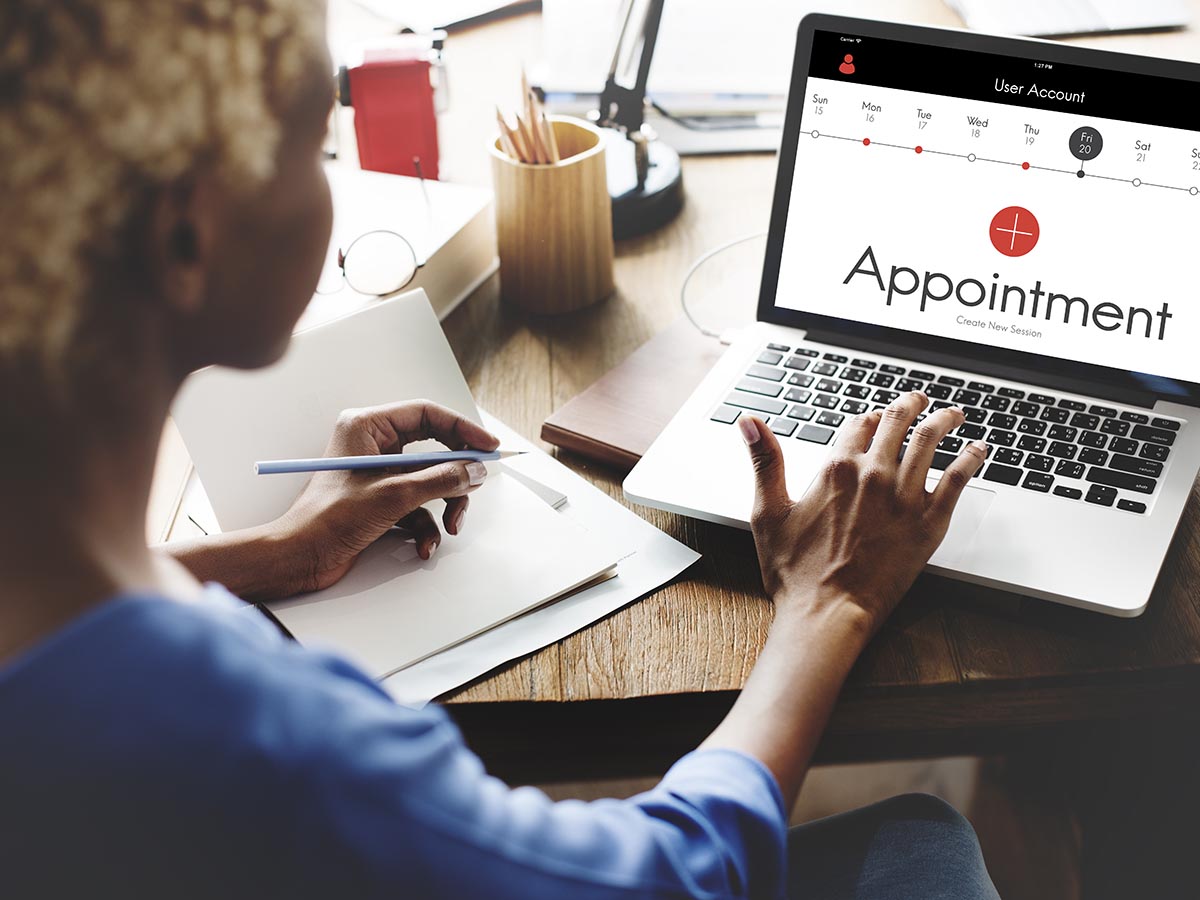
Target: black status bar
{"x":1010,"y":80}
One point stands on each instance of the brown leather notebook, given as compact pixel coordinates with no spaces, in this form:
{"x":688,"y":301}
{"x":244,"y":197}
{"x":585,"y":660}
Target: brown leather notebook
{"x":617,"y":418}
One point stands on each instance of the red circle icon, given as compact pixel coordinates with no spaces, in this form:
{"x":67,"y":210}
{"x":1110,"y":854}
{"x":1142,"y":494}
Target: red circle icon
{"x":1014,"y":231}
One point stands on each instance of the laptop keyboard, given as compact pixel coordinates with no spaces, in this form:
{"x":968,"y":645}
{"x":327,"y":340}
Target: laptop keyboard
{"x":1041,"y":441}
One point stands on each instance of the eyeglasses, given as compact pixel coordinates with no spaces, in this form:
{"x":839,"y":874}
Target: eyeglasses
{"x":376,"y":263}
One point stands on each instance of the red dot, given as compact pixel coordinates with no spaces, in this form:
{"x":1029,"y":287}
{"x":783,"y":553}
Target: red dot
{"x":918,"y":148}
{"x":1025,"y":165}
{"x":866,"y":142}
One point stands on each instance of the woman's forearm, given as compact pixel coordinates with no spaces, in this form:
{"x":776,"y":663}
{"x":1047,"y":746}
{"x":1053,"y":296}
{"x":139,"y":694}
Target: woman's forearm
{"x":790,"y":694}
{"x":256,"y":564}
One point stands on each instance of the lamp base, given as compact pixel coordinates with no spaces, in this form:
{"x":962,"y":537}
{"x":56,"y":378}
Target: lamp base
{"x":641,"y":210}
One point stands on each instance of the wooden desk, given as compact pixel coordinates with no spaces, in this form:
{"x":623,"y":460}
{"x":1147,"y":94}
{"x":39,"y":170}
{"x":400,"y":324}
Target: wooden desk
{"x":958,"y":669}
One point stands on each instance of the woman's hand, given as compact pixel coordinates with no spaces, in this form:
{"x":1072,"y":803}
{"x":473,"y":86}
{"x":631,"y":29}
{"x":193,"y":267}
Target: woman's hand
{"x":340,"y":514}
{"x":865,"y":528}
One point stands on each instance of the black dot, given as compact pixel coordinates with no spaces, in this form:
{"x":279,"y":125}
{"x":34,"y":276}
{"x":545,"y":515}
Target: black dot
{"x":1079,"y":174}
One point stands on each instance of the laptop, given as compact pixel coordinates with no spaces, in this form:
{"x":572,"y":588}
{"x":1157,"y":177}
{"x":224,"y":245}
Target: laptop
{"x":1008,"y":225}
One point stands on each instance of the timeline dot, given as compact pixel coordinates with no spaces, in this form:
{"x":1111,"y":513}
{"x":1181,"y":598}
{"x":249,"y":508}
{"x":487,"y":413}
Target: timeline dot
{"x":816,"y":133}
{"x":918,"y":148}
{"x":970,"y":157}
{"x":1025,"y":166}
{"x":1137,"y":182}
{"x":866,"y":142}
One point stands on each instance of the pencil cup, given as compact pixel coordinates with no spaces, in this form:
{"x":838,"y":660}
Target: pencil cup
{"x":554,"y":223}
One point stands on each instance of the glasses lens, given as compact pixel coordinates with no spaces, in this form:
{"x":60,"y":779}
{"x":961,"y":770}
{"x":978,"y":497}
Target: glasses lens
{"x":380,"y":262}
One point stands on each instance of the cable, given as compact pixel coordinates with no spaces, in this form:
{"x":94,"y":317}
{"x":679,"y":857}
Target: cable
{"x":727,"y":122}
{"x":705,"y":257}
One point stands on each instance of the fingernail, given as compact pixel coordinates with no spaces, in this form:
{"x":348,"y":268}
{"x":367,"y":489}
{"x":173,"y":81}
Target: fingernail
{"x":981,"y":446}
{"x":749,"y":430}
{"x":432,"y":548}
{"x":458,"y":519}
{"x":476,"y":472}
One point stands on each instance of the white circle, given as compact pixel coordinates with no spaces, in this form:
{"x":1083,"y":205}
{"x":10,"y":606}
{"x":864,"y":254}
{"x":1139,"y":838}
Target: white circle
{"x":816,"y":133}
{"x":1137,"y":182}
{"x":970,"y":157}
{"x":1194,"y":191}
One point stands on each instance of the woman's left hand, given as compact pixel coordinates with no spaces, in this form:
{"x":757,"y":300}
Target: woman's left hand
{"x":340,"y":514}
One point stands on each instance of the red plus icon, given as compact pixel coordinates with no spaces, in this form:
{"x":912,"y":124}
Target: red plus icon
{"x":1014,"y":231}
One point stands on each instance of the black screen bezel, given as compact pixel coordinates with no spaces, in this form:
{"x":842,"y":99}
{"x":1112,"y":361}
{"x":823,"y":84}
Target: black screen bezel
{"x":986,"y":358}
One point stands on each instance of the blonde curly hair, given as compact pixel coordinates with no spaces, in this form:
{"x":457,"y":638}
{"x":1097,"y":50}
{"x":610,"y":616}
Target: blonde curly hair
{"x":101,"y":100}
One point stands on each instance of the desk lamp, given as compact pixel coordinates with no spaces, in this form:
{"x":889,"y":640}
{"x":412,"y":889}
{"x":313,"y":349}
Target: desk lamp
{"x":645,"y":180}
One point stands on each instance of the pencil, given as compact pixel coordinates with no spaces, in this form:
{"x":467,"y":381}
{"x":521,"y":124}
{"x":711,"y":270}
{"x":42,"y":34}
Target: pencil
{"x":506,"y":141}
{"x":379,"y":461}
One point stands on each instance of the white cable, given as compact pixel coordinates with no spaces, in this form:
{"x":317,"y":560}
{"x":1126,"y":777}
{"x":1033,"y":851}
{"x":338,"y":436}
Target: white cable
{"x":696,"y":265}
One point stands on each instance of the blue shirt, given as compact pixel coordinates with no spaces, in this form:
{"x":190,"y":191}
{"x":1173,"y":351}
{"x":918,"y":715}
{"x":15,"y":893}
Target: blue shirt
{"x":159,"y":749}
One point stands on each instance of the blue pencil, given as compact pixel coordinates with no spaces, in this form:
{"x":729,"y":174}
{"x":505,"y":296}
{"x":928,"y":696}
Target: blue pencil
{"x":379,"y":461}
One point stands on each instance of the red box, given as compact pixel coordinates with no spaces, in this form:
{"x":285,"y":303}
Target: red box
{"x":394,"y":116}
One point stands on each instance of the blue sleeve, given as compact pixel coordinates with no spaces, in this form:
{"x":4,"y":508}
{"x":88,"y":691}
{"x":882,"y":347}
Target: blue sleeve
{"x":391,"y":801}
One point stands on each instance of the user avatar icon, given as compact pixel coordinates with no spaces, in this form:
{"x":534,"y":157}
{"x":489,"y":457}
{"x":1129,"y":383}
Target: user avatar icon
{"x":847,"y":66}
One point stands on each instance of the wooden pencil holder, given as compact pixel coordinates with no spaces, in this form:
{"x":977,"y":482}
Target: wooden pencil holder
{"x":554,"y":223}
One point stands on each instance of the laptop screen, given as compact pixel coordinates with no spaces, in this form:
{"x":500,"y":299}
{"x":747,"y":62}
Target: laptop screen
{"x":1005,"y":201}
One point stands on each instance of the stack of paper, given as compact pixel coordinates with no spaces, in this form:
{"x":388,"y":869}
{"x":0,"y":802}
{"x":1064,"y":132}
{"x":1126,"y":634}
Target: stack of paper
{"x":1057,"y":18}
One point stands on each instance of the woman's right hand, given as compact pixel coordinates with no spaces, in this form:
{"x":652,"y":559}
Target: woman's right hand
{"x":866,"y":526}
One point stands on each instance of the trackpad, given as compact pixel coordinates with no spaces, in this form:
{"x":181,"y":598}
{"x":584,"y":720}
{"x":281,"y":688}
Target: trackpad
{"x":968,"y":514}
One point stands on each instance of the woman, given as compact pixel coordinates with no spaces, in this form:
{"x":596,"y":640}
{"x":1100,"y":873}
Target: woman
{"x":165,"y":209}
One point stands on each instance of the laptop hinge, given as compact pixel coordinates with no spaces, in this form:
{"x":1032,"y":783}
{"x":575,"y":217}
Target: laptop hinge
{"x":1123,"y":395}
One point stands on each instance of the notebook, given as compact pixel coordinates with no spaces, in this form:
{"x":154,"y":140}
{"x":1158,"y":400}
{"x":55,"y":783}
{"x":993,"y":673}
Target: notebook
{"x":516,"y":552}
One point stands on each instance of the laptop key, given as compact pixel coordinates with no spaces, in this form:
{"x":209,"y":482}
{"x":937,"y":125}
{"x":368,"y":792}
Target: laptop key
{"x":1038,"y":462}
{"x":1092,"y":457}
{"x":758,"y":386}
{"x":770,"y":373}
{"x":892,"y":370}
{"x":1131,"y":505}
{"x":971,"y":432}
{"x":1008,"y":456}
{"x":996,"y":402}
{"x":799,"y":363}
{"x":881,"y":379}
{"x":1135,"y":417}
{"x":1062,"y":433}
{"x":770,"y":358}
{"x":981,"y":386}
{"x":975,"y":415}
{"x":1062,"y":450}
{"x":1056,"y":414}
{"x":1147,"y":467}
{"x":1014,"y":393}
{"x":1069,"y":469}
{"x":1085,"y":421}
{"x":1169,"y":424}
{"x":801,"y":380}
{"x":1115,"y":426}
{"x":1001,"y":438}
{"x":909,"y":384}
{"x":1038,"y":481}
{"x":835,"y":357}
{"x":938,"y":391}
{"x":854,"y":407}
{"x":857,"y":391}
{"x":782,"y":348}
{"x":1104,"y":496}
{"x":1003,"y":474}
{"x":884,"y":397}
{"x":1106,"y":412}
{"x":1031,"y":426}
{"x":825,"y":368}
{"x":1154,"y":451}
{"x":963,"y":397}
{"x":1069,"y":492}
{"x":952,"y":380}
{"x":826,"y":401}
{"x":1043,"y":399}
{"x":756,"y":403}
{"x":1032,"y":444}
{"x":797,"y":395}
{"x":1094,"y":439}
{"x":803,"y":413}
{"x":864,"y":363}
{"x":1029,"y":410}
{"x":950,"y":444}
{"x":1002,"y":420}
{"x":832,"y":419}
{"x":783,"y":427}
{"x":1073,"y":405}
{"x":1124,"y":445}
{"x":816,"y":434}
{"x":921,"y":375}
{"x":829,"y":386}
{"x":1152,"y":435}
{"x":805,"y":351}
{"x":1125,"y":480}
{"x":851,"y":374}
{"x":725,"y":414}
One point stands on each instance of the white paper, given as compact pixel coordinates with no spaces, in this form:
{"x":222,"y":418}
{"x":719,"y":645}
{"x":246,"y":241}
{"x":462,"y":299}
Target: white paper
{"x":658,"y":559}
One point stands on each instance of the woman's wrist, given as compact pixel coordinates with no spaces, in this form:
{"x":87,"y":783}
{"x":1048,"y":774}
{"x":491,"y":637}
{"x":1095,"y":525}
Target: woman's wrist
{"x":841,"y":618}
{"x":264,"y":562}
